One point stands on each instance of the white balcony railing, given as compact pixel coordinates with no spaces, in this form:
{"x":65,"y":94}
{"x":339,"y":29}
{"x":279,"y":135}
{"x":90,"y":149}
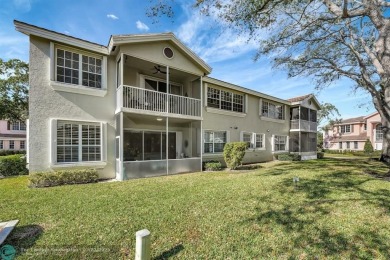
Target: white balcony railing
{"x":303,"y":125}
{"x":141,"y":99}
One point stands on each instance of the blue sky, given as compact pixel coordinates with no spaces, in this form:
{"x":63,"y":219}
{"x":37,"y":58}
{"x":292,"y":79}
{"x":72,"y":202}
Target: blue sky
{"x":230,"y":55}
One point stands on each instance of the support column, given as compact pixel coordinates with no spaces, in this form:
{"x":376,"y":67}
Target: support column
{"x":201,"y":124}
{"x":299,"y":127}
{"x":166,"y":144}
{"x":166,"y":123}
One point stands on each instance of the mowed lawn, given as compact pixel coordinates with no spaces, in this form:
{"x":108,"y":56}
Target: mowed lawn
{"x":335,"y":212}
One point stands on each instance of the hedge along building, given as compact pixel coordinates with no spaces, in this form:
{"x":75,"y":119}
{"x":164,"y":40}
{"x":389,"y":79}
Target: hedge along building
{"x":143,"y":106}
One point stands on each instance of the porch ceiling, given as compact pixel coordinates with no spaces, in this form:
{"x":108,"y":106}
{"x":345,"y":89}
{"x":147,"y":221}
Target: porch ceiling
{"x":148,"y":119}
{"x":147,"y":68}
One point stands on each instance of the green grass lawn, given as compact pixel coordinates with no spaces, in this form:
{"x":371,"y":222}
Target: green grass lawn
{"x":339,"y":155}
{"x":335,"y":212}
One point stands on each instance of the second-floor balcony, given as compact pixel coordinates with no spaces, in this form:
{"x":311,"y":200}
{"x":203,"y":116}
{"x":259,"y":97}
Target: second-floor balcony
{"x":143,"y":101}
{"x":303,"y":125}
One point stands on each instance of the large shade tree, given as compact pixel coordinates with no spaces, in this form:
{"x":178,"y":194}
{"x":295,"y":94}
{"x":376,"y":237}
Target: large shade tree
{"x":13,"y":89}
{"x":326,"y":39}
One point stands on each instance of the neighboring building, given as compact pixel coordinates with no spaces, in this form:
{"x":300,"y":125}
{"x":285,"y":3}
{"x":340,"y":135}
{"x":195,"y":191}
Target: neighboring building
{"x":12,"y":135}
{"x":143,"y":106}
{"x":352,"y":133}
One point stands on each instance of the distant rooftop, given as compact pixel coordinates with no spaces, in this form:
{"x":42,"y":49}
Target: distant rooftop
{"x":300,"y":98}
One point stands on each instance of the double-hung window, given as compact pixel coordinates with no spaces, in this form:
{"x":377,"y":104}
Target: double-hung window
{"x":345,"y":129}
{"x":22,"y":145}
{"x":78,"y":142}
{"x":254,"y":140}
{"x":247,"y":138}
{"x":225,"y":100}
{"x":11,"y":144}
{"x":72,"y":67}
{"x":348,"y":145}
{"x":214,"y":141}
{"x":271,"y":110}
{"x":355,"y":145}
{"x":17,"y":126}
{"x":280,"y":143}
{"x":340,"y":145}
{"x":1,"y":144}
{"x":378,"y":133}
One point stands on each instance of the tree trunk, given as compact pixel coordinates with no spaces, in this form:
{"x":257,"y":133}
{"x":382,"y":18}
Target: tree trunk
{"x":385,"y":157}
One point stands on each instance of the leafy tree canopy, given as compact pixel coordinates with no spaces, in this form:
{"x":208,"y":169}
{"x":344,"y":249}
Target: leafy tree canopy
{"x":324,"y":39}
{"x":13,"y":89}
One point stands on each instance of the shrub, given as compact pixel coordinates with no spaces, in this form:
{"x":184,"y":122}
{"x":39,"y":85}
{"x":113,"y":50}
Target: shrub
{"x":11,"y":165}
{"x":11,"y":152}
{"x":288,"y":157}
{"x":320,"y":155}
{"x":234,"y":153}
{"x":212,"y":166}
{"x":49,"y":179}
{"x":368,"y":148}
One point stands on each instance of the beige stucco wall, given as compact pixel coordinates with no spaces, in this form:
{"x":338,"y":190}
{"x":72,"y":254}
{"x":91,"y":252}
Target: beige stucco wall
{"x":372,"y":122}
{"x":45,"y":103}
{"x":153,"y":51}
{"x":252,"y":122}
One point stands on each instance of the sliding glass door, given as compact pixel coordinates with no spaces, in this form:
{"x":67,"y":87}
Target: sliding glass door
{"x":148,"y":145}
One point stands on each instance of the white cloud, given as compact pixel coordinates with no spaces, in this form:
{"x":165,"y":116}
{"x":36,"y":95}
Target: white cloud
{"x":210,"y":39}
{"x":23,"y":5}
{"x":112,"y":16}
{"x":141,"y":26}
{"x":66,"y":32}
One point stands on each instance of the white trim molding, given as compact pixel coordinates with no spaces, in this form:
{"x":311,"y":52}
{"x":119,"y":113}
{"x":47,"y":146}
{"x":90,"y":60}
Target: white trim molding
{"x":224,"y":112}
{"x":29,"y":29}
{"x":58,"y":86}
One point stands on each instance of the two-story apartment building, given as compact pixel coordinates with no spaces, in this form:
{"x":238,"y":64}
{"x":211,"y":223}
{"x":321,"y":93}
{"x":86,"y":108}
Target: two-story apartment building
{"x":12,"y":135}
{"x":352,"y":133}
{"x":144,"y":106}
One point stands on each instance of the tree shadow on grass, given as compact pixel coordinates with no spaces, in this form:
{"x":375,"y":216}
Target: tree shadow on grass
{"x":170,"y":253}
{"x":315,"y":165}
{"x":300,"y":212}
{"x":24,"y":237}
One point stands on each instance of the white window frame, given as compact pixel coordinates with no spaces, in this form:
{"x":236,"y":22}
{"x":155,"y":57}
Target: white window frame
{"x":213,"y":132}
{"x":282,"y":106}
{"x":17,"y":126}
{"x":242,"y":139}
{"x":356,"y":145}
{"x":24,"y":145}
{"x":231,"y":100}
{"x":274,"y":144}
{"x":103,"y":143}
{"x":340,"y":145}
{"x":77,"y":88}
{"x":11,"y":145}
{"x":348,"y":145}
{"x":343,"y":129}
{"x":380,"y":138}
{"x":253,"y":145}
{"x":263,"y":141}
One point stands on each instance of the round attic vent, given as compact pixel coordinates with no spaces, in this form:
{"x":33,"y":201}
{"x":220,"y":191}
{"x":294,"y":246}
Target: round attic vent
{"x":168,"y":52}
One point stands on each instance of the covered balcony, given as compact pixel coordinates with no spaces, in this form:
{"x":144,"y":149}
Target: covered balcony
{"x":304,"y":144}
{"x":147,"y":88}
{"x":303,"y":119}
{"x":150,"y":146}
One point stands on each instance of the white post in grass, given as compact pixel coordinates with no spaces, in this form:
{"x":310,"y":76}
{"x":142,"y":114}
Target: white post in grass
{"x":142,"y":245}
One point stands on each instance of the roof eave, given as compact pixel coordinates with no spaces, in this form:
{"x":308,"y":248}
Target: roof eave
{"x":29,"y":29}
{"x":245,"y":90}
{"x":125,"y":39}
